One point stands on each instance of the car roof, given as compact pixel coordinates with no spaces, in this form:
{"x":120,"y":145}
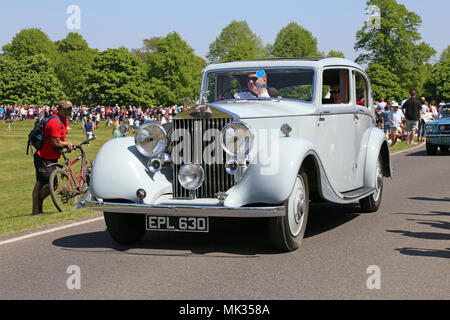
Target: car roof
{"x":316,"y":62}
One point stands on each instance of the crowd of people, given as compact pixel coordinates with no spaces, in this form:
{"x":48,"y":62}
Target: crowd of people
{"x":405,"y":120}
{"x":132,"y":116}
{"x":391,"y":116}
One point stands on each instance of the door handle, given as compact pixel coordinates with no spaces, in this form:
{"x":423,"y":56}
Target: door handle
{"x":323,"y":112}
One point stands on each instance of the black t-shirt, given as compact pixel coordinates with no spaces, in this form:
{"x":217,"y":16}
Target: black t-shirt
{"x":412,"y":109}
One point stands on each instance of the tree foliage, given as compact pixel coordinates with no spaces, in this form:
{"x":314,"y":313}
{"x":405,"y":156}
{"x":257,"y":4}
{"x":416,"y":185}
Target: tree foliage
{"x":335,"y":54}
{"x":74,"y":60}
{"x":385,"y":84}
{"x":236,"y":42}
{"x":30,"y":80}
{"x":73,"y":42}
{"x":30,"y":42}
{"x":117,"y":76}
{"x":174,"y":70}
{"x":437,"y":85}
{"x":395,"y":44}
{"x":295,"y":41}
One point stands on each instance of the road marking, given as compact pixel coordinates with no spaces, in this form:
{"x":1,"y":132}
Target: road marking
{"x":49,"y":230}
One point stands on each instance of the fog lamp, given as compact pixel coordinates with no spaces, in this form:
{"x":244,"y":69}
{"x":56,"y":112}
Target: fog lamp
{"x":191,"y":176}
{"x":154,"y":165}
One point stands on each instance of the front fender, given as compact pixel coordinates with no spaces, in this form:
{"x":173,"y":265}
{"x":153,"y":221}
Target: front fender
{"x":119,"y":170}
{"x":273,"y":182}
{"x":376,"y":146}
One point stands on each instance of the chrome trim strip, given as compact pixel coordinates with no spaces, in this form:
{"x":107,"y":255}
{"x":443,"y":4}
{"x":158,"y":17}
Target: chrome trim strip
{"x":194,"y":211}
{"x":437,"y":135}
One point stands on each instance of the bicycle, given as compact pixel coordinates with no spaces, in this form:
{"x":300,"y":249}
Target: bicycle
{"x":65,"y":187}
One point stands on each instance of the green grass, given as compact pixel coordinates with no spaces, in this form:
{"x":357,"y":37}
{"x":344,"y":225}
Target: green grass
{"x":399,"y":146}
{"x":17,"y":178}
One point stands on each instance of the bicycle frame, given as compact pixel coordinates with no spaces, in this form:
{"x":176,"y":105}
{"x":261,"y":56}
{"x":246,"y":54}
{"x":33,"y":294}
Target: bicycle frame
{"x":81,"y":179}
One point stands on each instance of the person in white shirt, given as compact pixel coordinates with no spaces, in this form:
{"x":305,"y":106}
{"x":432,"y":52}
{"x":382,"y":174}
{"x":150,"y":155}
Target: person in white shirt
{"x":397,"y":118}
{"x":257,"y":88}
{"x":382,"y":104}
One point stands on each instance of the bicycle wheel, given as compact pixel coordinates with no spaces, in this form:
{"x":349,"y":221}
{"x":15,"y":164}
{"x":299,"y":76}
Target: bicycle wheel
{"x":63,"y":191}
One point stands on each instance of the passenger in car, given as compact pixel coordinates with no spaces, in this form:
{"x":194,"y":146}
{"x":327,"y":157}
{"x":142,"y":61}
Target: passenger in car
{"x":335,"y":93}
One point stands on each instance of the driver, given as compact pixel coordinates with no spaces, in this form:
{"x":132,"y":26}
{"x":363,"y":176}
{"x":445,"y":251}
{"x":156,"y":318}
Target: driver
{"x":257,"y":87}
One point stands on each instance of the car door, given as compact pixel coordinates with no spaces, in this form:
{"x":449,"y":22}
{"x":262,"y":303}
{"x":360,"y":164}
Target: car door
{"x":335,"y":138}
{"x":364,"y":120}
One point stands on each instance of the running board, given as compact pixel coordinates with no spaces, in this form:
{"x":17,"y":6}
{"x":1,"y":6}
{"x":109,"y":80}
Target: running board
{"x":357,"y":193}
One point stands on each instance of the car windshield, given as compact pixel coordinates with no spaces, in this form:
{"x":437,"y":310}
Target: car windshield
{"x":283,"y":83}
{"x":445,"y":112}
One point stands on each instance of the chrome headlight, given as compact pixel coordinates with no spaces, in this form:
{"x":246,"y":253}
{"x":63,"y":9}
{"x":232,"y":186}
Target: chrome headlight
{"x":442,"y":128}
{"x":191,"y":176}
{"x":123,"y":129}
{"x":429,"y":128}
{"x":150,"y":139}
{"x":237,"y":138}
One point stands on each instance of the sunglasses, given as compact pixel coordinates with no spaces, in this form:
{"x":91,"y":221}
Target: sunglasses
{"x":252,"y":78}
{"x":334,"y":91}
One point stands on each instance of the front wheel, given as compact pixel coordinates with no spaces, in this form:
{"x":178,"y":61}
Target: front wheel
{"x":431,"y":149}
{"x":372,"y":203}
{"x":63,"y":191}
{"x":287,"y":232}
{"x":125,"y":228}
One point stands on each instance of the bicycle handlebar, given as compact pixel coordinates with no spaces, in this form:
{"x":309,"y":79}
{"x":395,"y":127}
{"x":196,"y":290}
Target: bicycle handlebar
{"x":79,"y":146}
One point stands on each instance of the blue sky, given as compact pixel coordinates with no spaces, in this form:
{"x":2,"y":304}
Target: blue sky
{"x":111,"y":24}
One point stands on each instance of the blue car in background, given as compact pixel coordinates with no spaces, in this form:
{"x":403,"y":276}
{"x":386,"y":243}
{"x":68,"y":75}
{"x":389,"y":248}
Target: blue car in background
{"x":437,"y":132}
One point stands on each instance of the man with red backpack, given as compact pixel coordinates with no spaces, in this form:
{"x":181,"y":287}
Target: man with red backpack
{"x":55,"y":133}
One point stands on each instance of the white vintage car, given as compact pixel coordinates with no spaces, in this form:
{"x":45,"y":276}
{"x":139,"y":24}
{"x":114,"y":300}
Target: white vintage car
{"x":266,"y":138}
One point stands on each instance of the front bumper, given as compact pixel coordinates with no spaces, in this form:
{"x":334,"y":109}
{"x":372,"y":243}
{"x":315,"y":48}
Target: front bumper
{"x":187,"y":210}
{"x":438,"y":139}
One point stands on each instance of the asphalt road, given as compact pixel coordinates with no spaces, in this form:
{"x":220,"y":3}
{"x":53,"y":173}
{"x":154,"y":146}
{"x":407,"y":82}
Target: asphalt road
{"x":406,"y":243}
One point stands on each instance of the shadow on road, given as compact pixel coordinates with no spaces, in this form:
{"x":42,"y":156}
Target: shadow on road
{"x":240,"y":237}
{"x":432,"y":214}
{"x":422,"y":235}
{"x":430,"y":199}
{"x":423,"y":153}
{"x":425,"y":252}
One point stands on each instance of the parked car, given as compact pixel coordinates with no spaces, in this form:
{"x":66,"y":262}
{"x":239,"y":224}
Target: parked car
{"x":266,"y":138}
{"x":437,"y":132}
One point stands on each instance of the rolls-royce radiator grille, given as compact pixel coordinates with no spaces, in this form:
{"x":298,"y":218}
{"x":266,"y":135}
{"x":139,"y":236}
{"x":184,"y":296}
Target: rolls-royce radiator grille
{"x":202,"y":148}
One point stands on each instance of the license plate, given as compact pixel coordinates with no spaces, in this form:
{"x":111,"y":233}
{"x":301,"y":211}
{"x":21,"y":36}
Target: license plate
{"x":175,"y":223}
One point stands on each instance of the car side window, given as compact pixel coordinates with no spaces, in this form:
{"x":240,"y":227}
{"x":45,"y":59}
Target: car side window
{"x":335,"y":86}
{"x":361,"y":89}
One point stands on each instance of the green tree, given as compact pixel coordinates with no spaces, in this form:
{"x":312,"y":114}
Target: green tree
{"x":72,"y":64}
{"x":174,"y":70}
{"x":71,"y":68}
{"x":236,"y":42}
{"x":149,"y":46}
{"x":30,"y":80}
{"x":73,"y":42}
{"x":117,"y":76}
{"x":395,"y":44}
{"x":335,"y":54}
{"x":30,"y":42}
{"x":295,"y":41}
{"x":385,"y":84}
{"x":437,"y":85}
